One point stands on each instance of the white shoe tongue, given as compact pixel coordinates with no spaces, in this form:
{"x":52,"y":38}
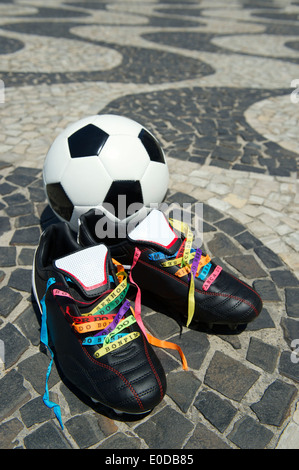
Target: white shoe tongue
{"x":154,"y":229}
{"x":87,"y":268}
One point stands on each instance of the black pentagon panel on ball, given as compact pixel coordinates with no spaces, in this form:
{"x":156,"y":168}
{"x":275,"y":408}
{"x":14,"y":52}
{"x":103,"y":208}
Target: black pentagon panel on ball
{"x":121,"y":195}
{"x":152,"y":147}
{"x":59,"y":201}
{"x":87,"y":141}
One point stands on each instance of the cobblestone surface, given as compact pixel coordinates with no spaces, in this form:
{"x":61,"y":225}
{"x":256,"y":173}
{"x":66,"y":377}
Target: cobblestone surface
{"x":215,"y":83}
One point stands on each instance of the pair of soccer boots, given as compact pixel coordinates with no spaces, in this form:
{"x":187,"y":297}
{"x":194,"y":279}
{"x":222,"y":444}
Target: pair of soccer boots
{"x":81,"y":285}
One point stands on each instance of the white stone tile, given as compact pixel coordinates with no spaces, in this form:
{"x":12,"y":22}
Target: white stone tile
{"x":289,"y":438}
{"x":218,"y":204}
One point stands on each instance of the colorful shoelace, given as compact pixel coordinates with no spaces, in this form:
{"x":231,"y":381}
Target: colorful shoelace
{"x":192,"y":262}
{"x":108,"y":329}
{"x":45,"y":340}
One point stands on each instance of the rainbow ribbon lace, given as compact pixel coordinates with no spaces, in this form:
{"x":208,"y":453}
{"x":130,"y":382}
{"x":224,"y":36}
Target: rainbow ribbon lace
{"x":191,"y":262}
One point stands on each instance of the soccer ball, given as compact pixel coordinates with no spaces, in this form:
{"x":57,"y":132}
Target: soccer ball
{"x":105,"y":162}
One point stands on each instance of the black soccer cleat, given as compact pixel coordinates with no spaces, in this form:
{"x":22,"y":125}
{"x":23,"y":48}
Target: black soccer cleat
{"x":96,"y":339}
{"x":181,"y":278}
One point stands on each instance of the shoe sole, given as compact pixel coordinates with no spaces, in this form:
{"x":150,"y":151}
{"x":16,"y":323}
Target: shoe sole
{"x":121,"y":413}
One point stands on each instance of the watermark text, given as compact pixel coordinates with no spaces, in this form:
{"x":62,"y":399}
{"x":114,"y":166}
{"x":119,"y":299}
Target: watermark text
{"x":109,"y":223}
{"x":295,"y":94}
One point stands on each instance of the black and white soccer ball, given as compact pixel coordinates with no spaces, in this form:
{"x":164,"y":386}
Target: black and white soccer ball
{"x":106,"y":162}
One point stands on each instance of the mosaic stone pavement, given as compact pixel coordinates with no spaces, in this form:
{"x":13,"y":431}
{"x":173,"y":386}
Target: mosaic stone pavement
{"x":216,"y":83}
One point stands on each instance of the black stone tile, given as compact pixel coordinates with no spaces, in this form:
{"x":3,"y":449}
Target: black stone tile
{"x":28,"y":322}
{"x":194,"y":344}
{"x":4,"y":225}
{"x":75,"y":404}
{"x":207,"y":142}
{"x":198,"y":159}
{"x":289,"y":363}
{"x":8,"y":433}
{"x":274,"y":405}
{"x":182,"y":387}
{"x":47,"y":436}
{"x":204,"y":438}
{"x":21,"y":279}
{"x":4,"y":164}
{"x":264,"y":320}
{"x":220,"y":163}
{"x":268,"y":162}
{"x":208,"y":228}
{"x":15,"y":199}
{"x":35,"y":412}
{"x":168,"y":362}
{"x":181,"y":198}
{"x":273,"y":15}
{"x":13,"y":394}
{"x":6,"y":188}
{"x":15,"y":344}
{"x":26,"y":256}
{"x":269,"y":258}
{"x":222,"y":246}
{"x":230,"y":227}
{"x":229,"y":376}
{"x":290,"y":329}
{"x":292,"y":301}
{"x":262,"y":354}
{"x":120,"y":441}
{"x":7,"y":256}
{"x":288,"y":164}
{"x":247,"y":240}
{"x":10,"y":45}
{"x":26,"y":236}
{"x":233,"y":340}
{"x":225,"y":153}
{"x":23,"y":176}
{"x":37,"y":194}
{"x":45,"y":12}
{"x":267,"y":290}
{"x":167,"y":429}
{"x":9,"y":299}
{"x":191,"y":40}
{"x":279,"y":172}
{"x":210,"y":214}
{"x":248,"y":434}
{"x":284,"y":278}
{"x":27,"y":221}
{"x":218,"y":411}
{"x":34,"y":369}
{"x":250,"y":168}
{"x":92,"y":432}
{"x":107,"y":425}
{"x":19,"y":209}
{"x":161,"y":325}
{"x":246,"y":265}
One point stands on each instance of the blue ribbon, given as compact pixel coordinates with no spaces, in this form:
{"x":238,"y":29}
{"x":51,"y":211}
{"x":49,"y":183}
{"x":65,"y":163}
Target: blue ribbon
{"x":45,"y":340}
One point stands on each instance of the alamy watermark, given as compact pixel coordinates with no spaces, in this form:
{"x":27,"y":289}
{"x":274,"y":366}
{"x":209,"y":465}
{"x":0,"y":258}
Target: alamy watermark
{"x":2,"y":92}
{"x":119,"y":223}
{"x":295,"y":94}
